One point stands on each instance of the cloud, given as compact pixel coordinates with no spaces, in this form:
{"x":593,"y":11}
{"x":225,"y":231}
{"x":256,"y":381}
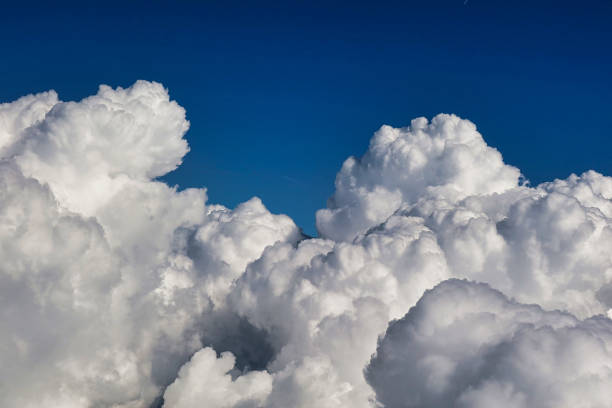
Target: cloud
{"x":467,"y":345}
{"x":543,"y":245}
{"x":20,"y":115}
{"x":105,"y":277}
{"x":325,"y":303}
{"x":88,"y":150}
{"x":121,"y":291}
{"x":446,"y":157}
{"x":205,"y":378}
{"x":325,"y":300}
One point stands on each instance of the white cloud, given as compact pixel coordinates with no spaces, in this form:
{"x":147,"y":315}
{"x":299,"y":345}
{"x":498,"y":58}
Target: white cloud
{"x":545,"y":245}
{"x":118,"y":290}
{"x":206,"y":379}
{"x":327,"y":302}
{"x":466,"y":345}
{"x":88,"y":150}
{"x":21,"y":114}
{"x":103,"y":279}
{"x":444,"y":158}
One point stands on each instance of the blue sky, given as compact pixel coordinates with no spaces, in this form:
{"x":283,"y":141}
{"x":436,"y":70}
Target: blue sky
{"x":279,"y":94}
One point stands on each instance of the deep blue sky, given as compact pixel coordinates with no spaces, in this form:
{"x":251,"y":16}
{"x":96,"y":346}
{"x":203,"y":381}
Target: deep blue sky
{"x":278,"y":95}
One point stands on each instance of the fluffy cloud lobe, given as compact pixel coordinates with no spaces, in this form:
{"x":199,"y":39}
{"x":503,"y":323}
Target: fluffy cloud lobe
{"x":467,"y":345}
{"x":118,"y":290}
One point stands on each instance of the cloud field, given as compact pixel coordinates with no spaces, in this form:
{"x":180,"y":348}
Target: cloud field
{"x":440,"y":278}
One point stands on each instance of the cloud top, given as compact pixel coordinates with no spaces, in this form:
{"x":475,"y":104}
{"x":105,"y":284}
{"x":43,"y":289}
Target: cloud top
{"x":86,"y":150}
{"x":445,"y":157}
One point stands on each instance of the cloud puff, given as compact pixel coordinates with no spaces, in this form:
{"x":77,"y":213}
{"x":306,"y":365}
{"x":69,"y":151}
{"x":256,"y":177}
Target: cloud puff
{"x":87,"y":150}
{"x":325,"y":303}
{"x":467,"y":345}
{"x":445,"y":157}
{"x":121,"y":291}
{"x":542,"y":245}
{"x":546,"y":244}
{"x":207,"y":379}
{"x":21,"y":114}
{"x":105,"y":276}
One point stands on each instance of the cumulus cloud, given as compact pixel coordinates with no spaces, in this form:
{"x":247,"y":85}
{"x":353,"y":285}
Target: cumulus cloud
{"x":325,"y":304}
{"x":105,"y":277}
{"x":88,"y":150}
{"x":207,"y":379}
{"x":21,"y":114}
{"x":467,"y":345}
{"x":446,"y":157}
{"x":118,"y":290}
{"x":542,"y":245}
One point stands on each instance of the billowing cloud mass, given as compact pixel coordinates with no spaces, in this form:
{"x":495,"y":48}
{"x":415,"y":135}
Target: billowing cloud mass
{"x":467,"y":345}
{"x":440,"y":278}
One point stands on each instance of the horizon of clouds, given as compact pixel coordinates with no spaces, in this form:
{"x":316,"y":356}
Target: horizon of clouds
{"x":439,"y":277}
